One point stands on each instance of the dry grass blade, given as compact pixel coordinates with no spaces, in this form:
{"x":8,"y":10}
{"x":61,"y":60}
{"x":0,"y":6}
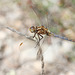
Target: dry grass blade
{"x":40,"y":55}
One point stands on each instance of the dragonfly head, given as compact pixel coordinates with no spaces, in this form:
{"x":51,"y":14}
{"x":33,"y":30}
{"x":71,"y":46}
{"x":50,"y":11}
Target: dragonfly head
{"x":32,"y":29}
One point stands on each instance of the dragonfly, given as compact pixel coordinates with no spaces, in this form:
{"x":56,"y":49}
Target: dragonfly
{"x":41,"y":30}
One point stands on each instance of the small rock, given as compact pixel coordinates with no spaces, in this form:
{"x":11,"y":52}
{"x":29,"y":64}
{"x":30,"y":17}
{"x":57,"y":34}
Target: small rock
{"x":2,"y":35}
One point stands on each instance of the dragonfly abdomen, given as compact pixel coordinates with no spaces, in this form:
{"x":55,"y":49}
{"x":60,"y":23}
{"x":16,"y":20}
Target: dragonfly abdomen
{"x":61,"y":37}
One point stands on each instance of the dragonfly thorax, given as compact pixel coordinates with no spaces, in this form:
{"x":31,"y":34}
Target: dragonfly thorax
{"x":40,"y":30}
{"x":48,"y":33}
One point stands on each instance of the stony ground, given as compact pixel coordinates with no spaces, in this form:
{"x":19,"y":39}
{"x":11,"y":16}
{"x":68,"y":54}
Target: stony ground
{"x":21,"y":60}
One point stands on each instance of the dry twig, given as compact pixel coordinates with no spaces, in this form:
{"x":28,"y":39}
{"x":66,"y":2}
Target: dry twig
{"x":20,"y":33}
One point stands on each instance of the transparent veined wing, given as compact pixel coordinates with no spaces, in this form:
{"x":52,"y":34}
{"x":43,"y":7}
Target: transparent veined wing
{"x":47,"y":19}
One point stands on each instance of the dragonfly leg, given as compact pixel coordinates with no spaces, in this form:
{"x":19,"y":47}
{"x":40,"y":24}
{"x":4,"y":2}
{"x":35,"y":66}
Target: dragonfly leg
{"x":38,"y":40}
{"x":38,"y":37}
{"x":34,"y":35}
{"x":41,"y":37}
{"x":35,"y":32}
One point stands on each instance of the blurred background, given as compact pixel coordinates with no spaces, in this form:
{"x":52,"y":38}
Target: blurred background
{"x":59,"y":55}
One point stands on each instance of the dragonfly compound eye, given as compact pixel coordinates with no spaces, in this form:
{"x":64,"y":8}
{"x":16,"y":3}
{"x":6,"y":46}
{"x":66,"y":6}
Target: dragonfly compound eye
{"x":32,"y":29}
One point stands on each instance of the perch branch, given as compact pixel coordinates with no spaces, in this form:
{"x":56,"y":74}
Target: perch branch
{"x":19,"y":33}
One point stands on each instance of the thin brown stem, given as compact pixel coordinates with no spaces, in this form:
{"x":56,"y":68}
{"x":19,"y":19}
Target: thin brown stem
{"x":40,"y":55}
